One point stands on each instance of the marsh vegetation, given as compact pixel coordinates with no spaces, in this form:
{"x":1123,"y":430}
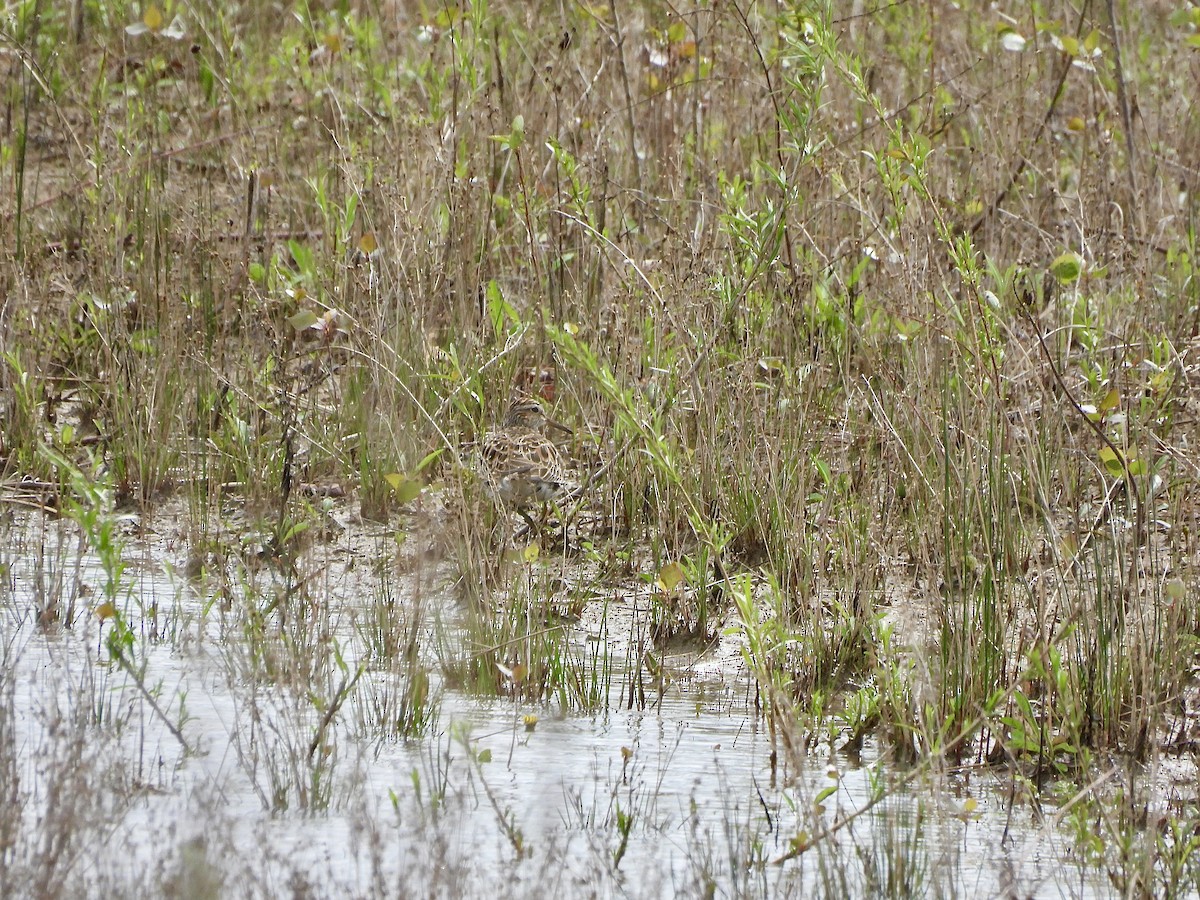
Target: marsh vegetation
{"x":875,"y":328}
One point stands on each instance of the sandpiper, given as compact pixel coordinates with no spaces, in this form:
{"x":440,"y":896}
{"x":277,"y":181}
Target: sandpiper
{"x":521,"y":464}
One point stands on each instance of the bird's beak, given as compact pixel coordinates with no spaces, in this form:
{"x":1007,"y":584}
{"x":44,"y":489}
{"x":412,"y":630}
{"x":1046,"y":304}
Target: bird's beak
{"x":559,"y":426}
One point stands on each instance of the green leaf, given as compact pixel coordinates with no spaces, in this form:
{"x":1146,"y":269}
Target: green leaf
{"x":142,"y":340}
{"x":1067,"y":267}
{"x":405,"y":488}
{"x":823,"y":470}
{"x":1111,"y":461}
{"x":429,"y":460}
{"x":515,"y":137}
{"x":302,"y":256}
{"x":499,"y":310}
{"x":306,"y":318}
{"x":208,"y":82}
{"x":1024,"y":705}
{"x":294,"y":532}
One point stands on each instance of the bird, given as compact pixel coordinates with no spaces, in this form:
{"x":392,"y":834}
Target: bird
{"x":521,"y":464}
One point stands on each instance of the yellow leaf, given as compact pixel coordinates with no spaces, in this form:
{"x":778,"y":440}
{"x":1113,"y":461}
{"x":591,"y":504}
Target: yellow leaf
{"x":1076,"y":123}
{"x":105,"y":610}
{"x":153,"y":18}
{"x":531,"y":721}
{"x":530,"y":554}
{"x":1161,"y":380}
{"x":367,"y":243}
{"x":670,"y":577}
{"x":1068,"y":546}
{"x":1111,"y":401}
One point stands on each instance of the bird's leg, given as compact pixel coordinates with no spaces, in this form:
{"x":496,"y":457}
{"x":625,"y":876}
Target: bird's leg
{"x":530,"y":525}
{"x":563,"y":524}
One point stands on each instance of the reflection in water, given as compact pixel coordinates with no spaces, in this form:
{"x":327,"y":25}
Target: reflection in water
{"x":679,"y":799}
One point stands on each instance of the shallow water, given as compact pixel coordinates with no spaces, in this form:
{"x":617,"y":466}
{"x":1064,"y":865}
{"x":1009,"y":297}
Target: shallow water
{"x":113,"y":804}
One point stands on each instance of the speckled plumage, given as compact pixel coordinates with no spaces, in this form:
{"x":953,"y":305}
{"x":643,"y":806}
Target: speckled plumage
{"x":521,"y":464}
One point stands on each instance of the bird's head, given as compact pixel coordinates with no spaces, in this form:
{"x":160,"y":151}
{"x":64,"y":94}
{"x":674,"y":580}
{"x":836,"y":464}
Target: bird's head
{"x":528,"y":412}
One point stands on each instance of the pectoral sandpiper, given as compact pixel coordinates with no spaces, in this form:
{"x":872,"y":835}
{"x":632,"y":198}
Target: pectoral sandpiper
{"x":521,"y":464}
